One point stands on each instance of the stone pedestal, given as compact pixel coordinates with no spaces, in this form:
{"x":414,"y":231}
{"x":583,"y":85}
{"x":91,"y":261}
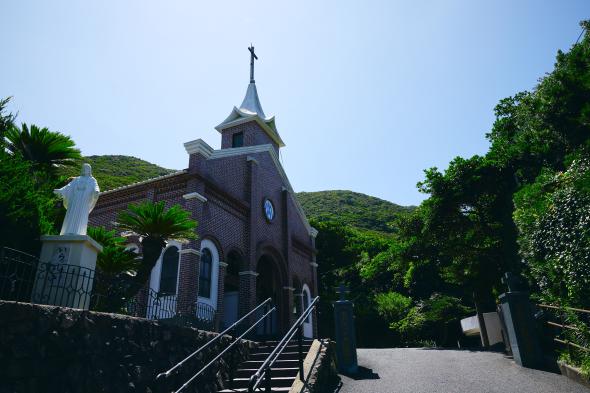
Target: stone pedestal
{"x":521,"y":330}
{"x":345,"y":335}
{"x":65,"y":275}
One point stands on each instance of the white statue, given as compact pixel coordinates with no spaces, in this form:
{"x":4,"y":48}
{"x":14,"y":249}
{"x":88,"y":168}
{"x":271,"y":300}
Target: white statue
{"x":79,"y":197}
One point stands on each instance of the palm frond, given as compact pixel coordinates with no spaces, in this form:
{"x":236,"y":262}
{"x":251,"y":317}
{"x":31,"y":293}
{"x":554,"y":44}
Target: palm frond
{"x":44,"y":148}
{"x":153,"y":220}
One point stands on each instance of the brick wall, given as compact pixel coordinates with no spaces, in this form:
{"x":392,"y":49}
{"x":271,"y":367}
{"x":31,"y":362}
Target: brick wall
{"x":253,"y":135}
{"x":232,"y":217}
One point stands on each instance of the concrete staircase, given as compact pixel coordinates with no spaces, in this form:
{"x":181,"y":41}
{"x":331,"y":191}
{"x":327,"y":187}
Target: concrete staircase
{"x":283,"y":371}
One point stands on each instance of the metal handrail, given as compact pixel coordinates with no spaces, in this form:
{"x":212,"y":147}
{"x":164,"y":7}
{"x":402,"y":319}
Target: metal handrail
{"x":265,"y":369}
{"x":167,"y":373}
{"x":237,"y":340}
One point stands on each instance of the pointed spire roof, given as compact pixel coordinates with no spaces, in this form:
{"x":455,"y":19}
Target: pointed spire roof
{"x":251,"y":103}
{"x":251,"y":109}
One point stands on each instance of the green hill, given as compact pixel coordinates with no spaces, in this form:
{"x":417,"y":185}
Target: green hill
{"x":116,"y":171}
{"x":351,"y":208}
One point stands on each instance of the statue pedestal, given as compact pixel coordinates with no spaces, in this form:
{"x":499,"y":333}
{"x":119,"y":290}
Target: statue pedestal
{"x":65,"y":275}
{"x":345,"y":337}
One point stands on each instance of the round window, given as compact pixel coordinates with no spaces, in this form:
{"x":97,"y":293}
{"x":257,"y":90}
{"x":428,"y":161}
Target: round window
{"x":269,"y":210}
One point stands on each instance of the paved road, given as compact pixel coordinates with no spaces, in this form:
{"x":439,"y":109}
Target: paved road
{"x":401,"y":370}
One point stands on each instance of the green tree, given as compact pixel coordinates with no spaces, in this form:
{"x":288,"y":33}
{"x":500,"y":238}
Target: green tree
{"x":27,"y":210}
{"x":46,"y":150}
{"x":115,"y":258}
{"x":553,"y":217}
{"x":469,"y":220}
{"x":6,"y":122}
{"x":155,"y":224}
{"x":116,"y":267}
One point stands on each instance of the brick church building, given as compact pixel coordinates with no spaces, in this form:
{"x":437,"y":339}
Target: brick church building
{"x":254,"y":240}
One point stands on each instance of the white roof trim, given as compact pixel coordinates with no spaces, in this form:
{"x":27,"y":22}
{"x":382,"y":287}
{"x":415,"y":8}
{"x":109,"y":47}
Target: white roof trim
{"x":195,"y":195}
{"x":198,"y":146}
{"x":238,"y":117}
{"x":144,"y":182}
{"x":236,"y":151}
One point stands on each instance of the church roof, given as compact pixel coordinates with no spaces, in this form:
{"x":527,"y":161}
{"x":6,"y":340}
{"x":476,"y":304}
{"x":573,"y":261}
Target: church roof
{"x":251,"y":109}
{"x":251,"y":104}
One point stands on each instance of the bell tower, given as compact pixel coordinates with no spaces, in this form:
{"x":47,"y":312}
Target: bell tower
{"x":248,"y":125}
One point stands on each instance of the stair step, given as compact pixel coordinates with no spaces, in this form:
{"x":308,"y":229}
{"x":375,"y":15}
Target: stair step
{"x":274,"y":343}
{"x":275,"y":382}
{"x":282,"y":356}
{"x":288,"y":348}
{"x":279,"y":372}
{"x":278,"y":389}
{"x":279,"y":364}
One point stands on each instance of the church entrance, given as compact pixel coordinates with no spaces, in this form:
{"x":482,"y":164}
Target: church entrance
{"x":269,"y":285}
{"x":231,"y":285}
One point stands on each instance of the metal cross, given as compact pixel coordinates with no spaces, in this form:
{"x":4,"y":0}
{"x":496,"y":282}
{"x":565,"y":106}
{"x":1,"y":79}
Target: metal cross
{"x":342,"y":290}
{"x":252,"y":57}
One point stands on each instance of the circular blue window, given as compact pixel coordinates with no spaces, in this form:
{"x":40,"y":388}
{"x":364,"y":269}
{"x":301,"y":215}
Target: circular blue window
{"x":269,"y":210}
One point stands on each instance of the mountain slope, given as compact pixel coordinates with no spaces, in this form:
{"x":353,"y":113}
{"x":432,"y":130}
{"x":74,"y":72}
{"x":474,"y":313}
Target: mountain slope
{"x":112,"y":171}
{"x":346,"y":207}
{"x":351,"y":208}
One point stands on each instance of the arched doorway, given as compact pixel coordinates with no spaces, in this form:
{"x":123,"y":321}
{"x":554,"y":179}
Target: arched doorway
{"x":269,"y":284}
{"x":231,"y":285}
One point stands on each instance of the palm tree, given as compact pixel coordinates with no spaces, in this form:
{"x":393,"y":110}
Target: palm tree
{"x":114,"y":258}
{"x":155,"y":225}
{"x":115,"y":268}
{"x":46,"y":150}
{"x":6,"y":120}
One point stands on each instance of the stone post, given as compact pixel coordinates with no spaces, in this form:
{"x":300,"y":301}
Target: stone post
{"x":345,"y":335}
{"x":520,"y":325}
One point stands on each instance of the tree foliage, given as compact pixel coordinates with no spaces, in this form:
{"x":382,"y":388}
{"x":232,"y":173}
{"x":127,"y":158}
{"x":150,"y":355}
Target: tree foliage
{"x":46,"y":150}
{"x":27,"y":207}
{"x":522,"y":207}
{"x":112,"y":171}
{"x":553,"y":215}
{"x":352,"y":209}
{"x":155,"y":224}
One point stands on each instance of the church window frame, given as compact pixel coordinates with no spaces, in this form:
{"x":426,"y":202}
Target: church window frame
{"x":237,"y":139}
{"x":169,"y":271}
{"x":205,"y":273}
{"x":213,"y":294}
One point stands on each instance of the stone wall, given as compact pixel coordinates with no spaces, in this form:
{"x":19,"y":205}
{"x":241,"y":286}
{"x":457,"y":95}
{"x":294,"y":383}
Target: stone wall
{"x":56,"y":349}
{"x":319,"y":369}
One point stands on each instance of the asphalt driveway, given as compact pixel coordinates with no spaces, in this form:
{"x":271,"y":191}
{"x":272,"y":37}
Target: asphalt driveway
{"x":417,"y":370}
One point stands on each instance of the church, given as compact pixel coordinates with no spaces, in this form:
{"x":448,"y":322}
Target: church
{"x":254,"y":240}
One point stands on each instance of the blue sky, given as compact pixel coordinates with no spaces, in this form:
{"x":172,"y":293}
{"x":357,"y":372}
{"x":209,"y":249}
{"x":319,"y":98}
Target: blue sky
{"x":367,"y":94}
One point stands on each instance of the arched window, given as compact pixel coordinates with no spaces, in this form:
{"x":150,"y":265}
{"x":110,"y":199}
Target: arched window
{"x":205,"y":273}
{"x":169,"y":275}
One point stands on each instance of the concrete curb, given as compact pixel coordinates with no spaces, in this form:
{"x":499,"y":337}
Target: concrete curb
{"x":573,"y":373}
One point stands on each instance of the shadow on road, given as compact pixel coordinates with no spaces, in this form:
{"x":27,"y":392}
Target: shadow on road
{"x":362,"y":374}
